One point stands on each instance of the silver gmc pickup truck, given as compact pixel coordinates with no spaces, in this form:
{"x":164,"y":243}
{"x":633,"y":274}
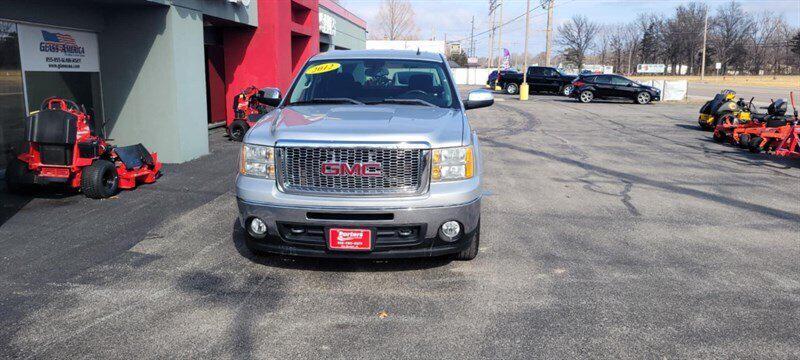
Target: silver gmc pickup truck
{"x":368,"y":155}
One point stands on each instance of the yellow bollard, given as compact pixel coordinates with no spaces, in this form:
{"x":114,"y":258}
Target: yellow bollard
{"x":523,"y":91}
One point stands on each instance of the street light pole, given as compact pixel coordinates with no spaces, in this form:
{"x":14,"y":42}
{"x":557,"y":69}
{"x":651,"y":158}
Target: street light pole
{"x":523,"y":88}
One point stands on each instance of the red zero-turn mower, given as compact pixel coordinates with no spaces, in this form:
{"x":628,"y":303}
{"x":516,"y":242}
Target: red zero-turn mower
{"x":783,"y":140}
{"x":64,"y":145}
{"x":248,"y":106}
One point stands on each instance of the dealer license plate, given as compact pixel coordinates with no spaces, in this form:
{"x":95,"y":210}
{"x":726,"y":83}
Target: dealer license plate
{"x":350,"y":239}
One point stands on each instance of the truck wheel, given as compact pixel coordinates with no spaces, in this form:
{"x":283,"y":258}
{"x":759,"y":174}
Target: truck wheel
{"x":643,"y":98}
{"x":586,"y":96}
{"x":472,"y":251}
{"x":100,"y":180}
{"x":16,"y":172}
{"x":512,"y":88}
{"x":237,"y":130}
{"x":566,"y":90}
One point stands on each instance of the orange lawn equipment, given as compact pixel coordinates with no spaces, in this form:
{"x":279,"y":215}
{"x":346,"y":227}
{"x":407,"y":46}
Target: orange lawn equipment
{"x":64,"y":145}
{"x":248,"y":106}
{"x":779,"y":140}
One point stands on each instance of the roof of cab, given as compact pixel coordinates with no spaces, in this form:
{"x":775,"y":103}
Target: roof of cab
{"x":378,"y":54}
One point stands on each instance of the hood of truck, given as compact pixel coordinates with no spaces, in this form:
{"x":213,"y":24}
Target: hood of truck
{"x":326,"y":123}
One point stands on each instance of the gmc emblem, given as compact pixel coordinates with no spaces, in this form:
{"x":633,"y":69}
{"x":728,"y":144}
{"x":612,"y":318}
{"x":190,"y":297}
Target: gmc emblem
{"x":371,"y":169}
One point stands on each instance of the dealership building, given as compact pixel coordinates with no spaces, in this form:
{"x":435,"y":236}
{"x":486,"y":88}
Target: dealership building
{"x":157,"y":71}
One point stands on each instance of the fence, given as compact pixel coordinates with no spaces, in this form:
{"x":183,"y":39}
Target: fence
{"x":471,"y":76}
{"x":671,"y":90}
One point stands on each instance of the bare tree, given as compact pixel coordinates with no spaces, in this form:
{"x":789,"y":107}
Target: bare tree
{"x":395,"y":20}
{"x":576,"y":38}
{"x":730,"y":31}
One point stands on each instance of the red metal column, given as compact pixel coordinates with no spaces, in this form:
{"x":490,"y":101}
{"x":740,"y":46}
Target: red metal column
{"x":287,"y":35}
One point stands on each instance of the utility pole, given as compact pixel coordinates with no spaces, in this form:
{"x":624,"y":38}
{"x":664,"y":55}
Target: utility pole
{"x":523,"y":89}
{"x":472,"y":37}
{"x":492,"y":7}
{"x":549,"y":46}
{"x":705,"y":37}
{"x":499,"y":48}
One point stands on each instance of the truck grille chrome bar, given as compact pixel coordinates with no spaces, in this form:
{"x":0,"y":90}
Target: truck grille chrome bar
{"x":401,"y":171}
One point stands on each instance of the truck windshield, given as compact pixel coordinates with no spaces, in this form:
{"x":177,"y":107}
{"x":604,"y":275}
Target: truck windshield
{"x":373,"y":81}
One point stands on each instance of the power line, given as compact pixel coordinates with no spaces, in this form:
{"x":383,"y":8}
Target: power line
{"x":515,"y":19}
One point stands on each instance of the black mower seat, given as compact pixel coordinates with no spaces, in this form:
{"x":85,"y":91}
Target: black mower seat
{"x":776,"y":121}
{"x":134,"y":156}
{"x":52,"y":127}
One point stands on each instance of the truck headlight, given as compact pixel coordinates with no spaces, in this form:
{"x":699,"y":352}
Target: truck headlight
{"x":452,"y":164}
{"x":257,"y":161}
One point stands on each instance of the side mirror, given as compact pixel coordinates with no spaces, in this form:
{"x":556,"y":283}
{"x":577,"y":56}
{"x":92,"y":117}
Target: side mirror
{"x":269,"y":96}
{"x":478,"y":99}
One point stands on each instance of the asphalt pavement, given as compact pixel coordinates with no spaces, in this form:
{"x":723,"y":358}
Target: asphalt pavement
{"x":610,"y":230}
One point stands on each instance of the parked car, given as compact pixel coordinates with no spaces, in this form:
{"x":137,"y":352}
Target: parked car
{"x":503,"y":73}
{"x":539,"y":79}
{"x":590,"y":87}
{"x":357,"y":161}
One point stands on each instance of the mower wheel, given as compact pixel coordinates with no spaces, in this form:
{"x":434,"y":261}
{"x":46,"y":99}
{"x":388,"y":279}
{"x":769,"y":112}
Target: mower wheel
{"x":643,"y":98}
{"x":512,"y":88}
{"x":16,"y":173}
{"x":719,"y":136}
{"x":586,"y":96}
{"x":755,"y":145}
{"x":744,"y":141}
{"x":237,"y":130}
{"x":100,"y":180}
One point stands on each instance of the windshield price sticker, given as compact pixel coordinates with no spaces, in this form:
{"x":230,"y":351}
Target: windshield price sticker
{"x":322,"y":68}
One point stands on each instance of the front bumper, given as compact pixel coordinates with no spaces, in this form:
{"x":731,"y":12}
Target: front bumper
{"x":423,"y":224}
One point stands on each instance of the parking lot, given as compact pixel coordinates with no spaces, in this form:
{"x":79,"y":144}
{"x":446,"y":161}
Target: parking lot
{"x":610,"y":230}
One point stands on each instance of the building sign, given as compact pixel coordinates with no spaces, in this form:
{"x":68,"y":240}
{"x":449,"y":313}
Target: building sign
{"x":54,"y":49}
{"x":327,"y":24}
{"x":651,"y":68}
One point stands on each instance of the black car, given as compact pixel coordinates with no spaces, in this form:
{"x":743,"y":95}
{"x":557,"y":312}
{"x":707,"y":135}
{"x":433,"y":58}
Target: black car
{"x":590,"y":87}
{"x":503,"y":73}
{"x":539,"y":79}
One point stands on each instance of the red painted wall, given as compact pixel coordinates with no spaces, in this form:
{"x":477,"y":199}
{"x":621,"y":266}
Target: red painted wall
{"x":287,"y":35}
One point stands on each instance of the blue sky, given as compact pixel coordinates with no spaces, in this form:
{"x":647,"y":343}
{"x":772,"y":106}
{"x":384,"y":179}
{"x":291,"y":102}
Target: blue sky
{"x":452,"y":17}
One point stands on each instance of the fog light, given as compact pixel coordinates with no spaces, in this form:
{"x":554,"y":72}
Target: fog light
{"x":450,"y":230}
{"x":257,"y":227}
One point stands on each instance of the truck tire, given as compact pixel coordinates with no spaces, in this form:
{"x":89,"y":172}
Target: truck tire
{"x":237,"y":129}
{"x":512,"y":88}
{"x":16,"y":172}
{"x":586,"y":96}
{"x":566,"y":90}
{"x":100,"y":180}
{"x":472,"y":251}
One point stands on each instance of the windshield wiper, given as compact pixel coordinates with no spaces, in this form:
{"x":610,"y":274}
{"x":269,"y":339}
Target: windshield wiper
{"x":328,"y":101}
{"x":403,"y":101}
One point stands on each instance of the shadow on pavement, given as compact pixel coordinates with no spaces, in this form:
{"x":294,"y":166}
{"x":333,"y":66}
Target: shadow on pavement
{"x":335,"y":265}
{"x":11,"y":204}
{"x":691,"y":127}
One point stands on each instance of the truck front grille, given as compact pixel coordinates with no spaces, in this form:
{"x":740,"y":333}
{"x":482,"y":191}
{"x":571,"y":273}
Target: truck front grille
{"x":402,"y":171}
